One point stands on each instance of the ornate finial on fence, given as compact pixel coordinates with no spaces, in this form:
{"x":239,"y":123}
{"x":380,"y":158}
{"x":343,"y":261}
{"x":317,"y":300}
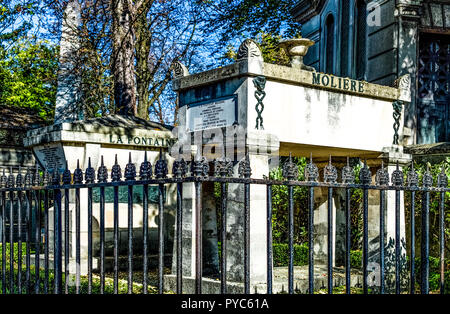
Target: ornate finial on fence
{"x":223,"y":167}
{"x":67,"y":176}
{"x":145,"y":171}
{"x":382,"y":176}
{"x":412,"y":178}
{"x":200,"y":166}
{"x":442,"y":180}
{"x":130,"y":170}
{"x":348,"y":175}
{"x":89,"y":174}
{"x":259,"y":82}
{"x":365,"y":177}
{"x":102,"y":172}
{"x":78,"y":174}
{"x":56,"y":177}
{"x":311,"y":171}
{"x":19,"y":178}
{"x":11,"y":181}
{"x":244,"y":169}
{"x":28,"y":178}
{"x":116,"y":172}
{"x":330,"y":173}
{"x":179,"y":168}
{"x":290,"y":169}
{"x":397,"y":104}
{"x":161,"y":167}
{"x":37,"y":180}
{"x":397,"y":176}
{"x":46,"y":177}
{"x":427,"y":180}
{"x":3,"y":179}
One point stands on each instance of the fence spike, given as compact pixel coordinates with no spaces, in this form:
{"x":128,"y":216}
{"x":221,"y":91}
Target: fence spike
{"x":161,"y":167}
{"x":290,"y":169}
{"x":102,"y":172}
{"x":311,"y":171}
{"x":130,"y":170}
{"x":116,"y":171}
{"x":330,"y":173}
{"x":382,"y":175}
{"x":348,"y":175}
{"x":19,"y":178}
{"x":397,"y":176}
{"x":145,"y":171}
{"x":89,"y":175}
{"x":442,"y":180}
{"x":427,"y":179}
{"x":244,"y":168}
{"x":37,"y":180}
{"x":365,"y":177}
{"x":3,"y":179}
{"x":78,"y":174}
{"x":10,"y":183}
{"x":67,"y":176}
{"x":28,"y":178}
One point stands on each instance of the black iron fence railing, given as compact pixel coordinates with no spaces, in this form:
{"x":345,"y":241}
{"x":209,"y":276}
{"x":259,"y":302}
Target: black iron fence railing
{"x":31,"y":263}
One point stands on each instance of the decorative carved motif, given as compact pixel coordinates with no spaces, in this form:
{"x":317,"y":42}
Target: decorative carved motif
{"x":427,"y":180}
{"x":244,"y":169}
{"x":223,"y":167}
{"x":130,"y":170}
{"x":442,"y":180}
{"x":179,"y":70}
{"x":248,"y":50}
{"x":412,"y":178}
{"x":365,"y":177}
{"x":89,"y":174}
{"x":179,"y":168}
{"x":397,"y":176}
{"x":145,"y":171}
{"x":397,"y":105}
{"x":116,"y":171}
{"x":102,"y":173}
{"x":260,"y":83}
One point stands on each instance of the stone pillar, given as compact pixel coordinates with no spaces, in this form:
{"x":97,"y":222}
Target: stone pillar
{"x":263,"y":154}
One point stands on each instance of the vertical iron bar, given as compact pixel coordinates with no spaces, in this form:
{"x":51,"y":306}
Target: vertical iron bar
{"x":365,"y":238}
{"x":269,"y":239}
{"x":330,"y":240}
{"x":382,"y":210}
{"x":19,"y":240}
{"x":28,"y":242}
{"x":347,"y":241}
{"x":3,"y":242}
{"x":179,"y":238}
{"x":102,"y":239}
{"x":77,"y":235}
{"x":130,"y":239}
{"x":441,"y":239}
{"x":413,"y":242}
{"x":46,"y":262}
{"x":37,"y":240}
{"x":145,"y":237}
{"x":311,"y":240}
{"x":116,"y":239}
{"x":425,"y":250}
{"x":66,"y":241}
{"x":161,"y":240}
{"x":89,"y":213}
{"x":291,"y":240}
{"x":247,"y":238}
{"x":223,"y":239}
{"x":397,"y":241}
{"x":57,"y":239}
{"x":11,"y":243}
{"x":198,"y":237}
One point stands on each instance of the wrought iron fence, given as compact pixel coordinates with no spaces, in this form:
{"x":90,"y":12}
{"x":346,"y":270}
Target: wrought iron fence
{"x":27,"y":197}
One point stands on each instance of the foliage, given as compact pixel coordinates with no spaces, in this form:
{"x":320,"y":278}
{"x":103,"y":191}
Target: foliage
{"x":281,"y":254}
{"x":28,"y":77}
{"x":433,"y":209}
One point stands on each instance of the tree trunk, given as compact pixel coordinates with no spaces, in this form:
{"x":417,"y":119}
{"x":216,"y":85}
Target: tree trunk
{"x":123,"y":58}
{"x":143,"y":77}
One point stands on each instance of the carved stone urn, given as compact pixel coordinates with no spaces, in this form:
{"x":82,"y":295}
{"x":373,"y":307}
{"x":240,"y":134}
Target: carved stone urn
{"x":296,"y":49}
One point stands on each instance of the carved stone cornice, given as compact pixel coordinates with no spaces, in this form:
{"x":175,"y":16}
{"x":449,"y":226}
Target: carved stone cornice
{"x":409,"y":9}
{"x":306,"y":9}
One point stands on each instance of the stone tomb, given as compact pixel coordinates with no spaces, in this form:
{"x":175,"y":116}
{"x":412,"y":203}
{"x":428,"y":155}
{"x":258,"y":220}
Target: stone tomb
{"x":76,"y":142}
{"x":296,"y":111}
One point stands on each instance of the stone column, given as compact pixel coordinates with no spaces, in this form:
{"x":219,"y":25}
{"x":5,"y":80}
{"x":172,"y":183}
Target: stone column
{"x":263,"y":154}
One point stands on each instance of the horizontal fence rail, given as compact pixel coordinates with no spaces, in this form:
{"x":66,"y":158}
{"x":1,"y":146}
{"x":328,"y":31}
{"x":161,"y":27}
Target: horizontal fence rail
{"x":31,"y":263}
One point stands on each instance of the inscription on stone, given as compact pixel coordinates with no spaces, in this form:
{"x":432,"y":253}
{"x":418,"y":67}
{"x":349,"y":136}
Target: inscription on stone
{"x":50,"y":155}
{"x":215,"y":114}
